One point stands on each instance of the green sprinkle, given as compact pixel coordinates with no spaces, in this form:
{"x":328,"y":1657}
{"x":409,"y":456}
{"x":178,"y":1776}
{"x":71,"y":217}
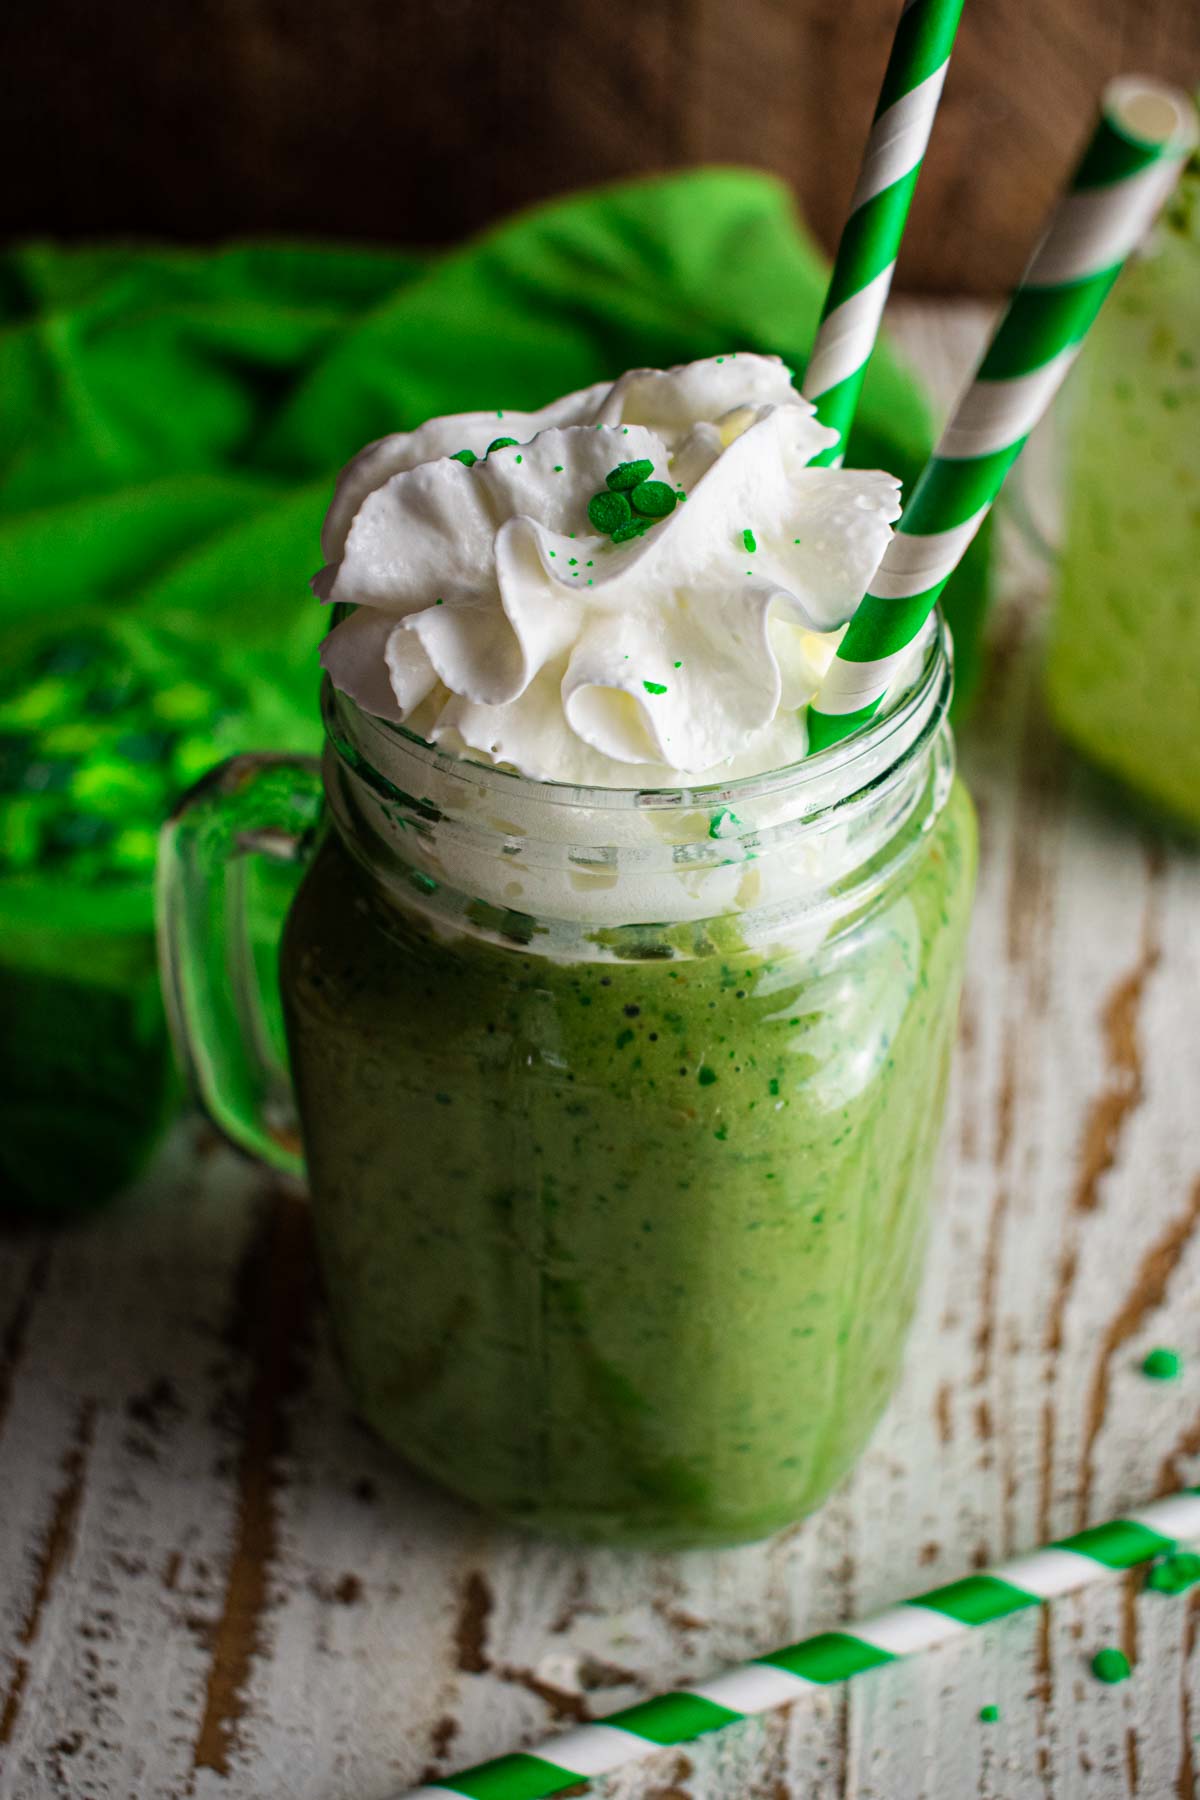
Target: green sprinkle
{"x":636,"y":528}
{"x":720,"y":359}
{"x":439,"y":601}
{"x":623,"y":1038}
{"x":628,"y":475}
{"x":1163,"y":1365}
{"x":989,"y":1714}
{"x":500,"y":444}
{"x":554,"y":553}
{"x":706,"y":1077}
{"x":519,"y":459}
{"x":558,"y":468}
{"x":609,"y":511}
{"x":795,"y":540}
{"x":748,"y":539}
{"x":1175,"y":1573}
{"x":679,"y":665}
{"x":721,"y":1133}
{"x":499,"y":412}
{"x":467,"y":457}
{"x":589,"y":564}
{"x":654,"y":687}
{"x":572,"y":560}
{"x":653,"y":498}
{"x":1110,"y":1665}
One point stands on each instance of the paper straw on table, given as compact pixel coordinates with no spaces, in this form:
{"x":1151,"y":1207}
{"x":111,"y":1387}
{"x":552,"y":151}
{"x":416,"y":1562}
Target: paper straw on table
{"x":1144,"y":133}
{"x":936,"y":1618}
{"x":870,"y":241}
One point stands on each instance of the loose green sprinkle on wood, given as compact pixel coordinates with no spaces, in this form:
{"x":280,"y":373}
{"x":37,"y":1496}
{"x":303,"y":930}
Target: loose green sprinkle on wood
{"x":628,"y":475}
{"x":1110,"y":1665}
{"x":1163,"y":1365}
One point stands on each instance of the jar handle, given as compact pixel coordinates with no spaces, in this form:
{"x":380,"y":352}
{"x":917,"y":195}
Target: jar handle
{"x":230,"y":857}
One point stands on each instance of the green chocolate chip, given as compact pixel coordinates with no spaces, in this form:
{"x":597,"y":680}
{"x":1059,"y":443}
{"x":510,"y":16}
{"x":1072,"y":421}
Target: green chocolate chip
{"x":636,"y":528}
{"x":1110,"y":1665}
{"x":467,"y":457}
{"x":628,"y":475}
{"x":500,"y":444}
{"x":654,"y":498}
{"x":608,"y":511}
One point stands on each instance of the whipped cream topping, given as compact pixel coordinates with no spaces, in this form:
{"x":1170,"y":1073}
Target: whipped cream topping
{"x":492,"y":618}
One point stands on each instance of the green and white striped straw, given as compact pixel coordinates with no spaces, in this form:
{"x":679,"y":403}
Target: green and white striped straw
{"x":1129,"y":168}
{"x":936,"y":1618}
{"x":870,"y":242}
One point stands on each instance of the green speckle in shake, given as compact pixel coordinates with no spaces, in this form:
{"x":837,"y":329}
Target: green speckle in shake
{"x":624,"y":1037}
{"x":1110,"y":1665}
{"x":706,"y":1076}
{"x":1163,"y":1365}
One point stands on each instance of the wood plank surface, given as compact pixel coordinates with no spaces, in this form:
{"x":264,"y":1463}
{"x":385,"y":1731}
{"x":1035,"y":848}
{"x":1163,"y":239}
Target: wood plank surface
{"x":213,"y":1583}
{"x":416,"y":123}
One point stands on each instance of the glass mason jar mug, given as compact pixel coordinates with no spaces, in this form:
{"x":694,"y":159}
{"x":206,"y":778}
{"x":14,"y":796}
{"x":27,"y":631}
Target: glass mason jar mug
{"x":619,"y":1108}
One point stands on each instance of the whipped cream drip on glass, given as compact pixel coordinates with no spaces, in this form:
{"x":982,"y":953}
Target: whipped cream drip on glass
{"x":492,"y":618}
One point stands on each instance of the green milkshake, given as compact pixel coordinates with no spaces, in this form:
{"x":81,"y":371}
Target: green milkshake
{"x":1123,"y":671}
{"x":619,"y":1026}
{"x":626,"y":1248}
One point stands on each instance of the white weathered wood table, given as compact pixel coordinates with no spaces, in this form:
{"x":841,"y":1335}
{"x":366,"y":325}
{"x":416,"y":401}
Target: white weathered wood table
{"x":214,"y":1583}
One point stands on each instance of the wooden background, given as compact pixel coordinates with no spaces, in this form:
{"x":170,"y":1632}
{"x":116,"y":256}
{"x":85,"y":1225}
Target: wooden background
{"x":417,"y":121}
{"x":215,"y":1584}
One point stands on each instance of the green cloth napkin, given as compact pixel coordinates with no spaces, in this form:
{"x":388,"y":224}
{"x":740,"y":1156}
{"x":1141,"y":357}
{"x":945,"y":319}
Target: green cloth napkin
{"x":171,"y":425}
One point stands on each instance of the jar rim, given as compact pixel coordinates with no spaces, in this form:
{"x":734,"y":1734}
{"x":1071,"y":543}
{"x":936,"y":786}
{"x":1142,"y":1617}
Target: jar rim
{"x":910,"y":723}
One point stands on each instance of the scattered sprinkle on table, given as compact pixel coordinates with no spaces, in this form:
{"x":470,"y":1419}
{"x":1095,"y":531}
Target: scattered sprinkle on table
{"x":1163,"y":1365}
{"x":1110,"y":1665}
